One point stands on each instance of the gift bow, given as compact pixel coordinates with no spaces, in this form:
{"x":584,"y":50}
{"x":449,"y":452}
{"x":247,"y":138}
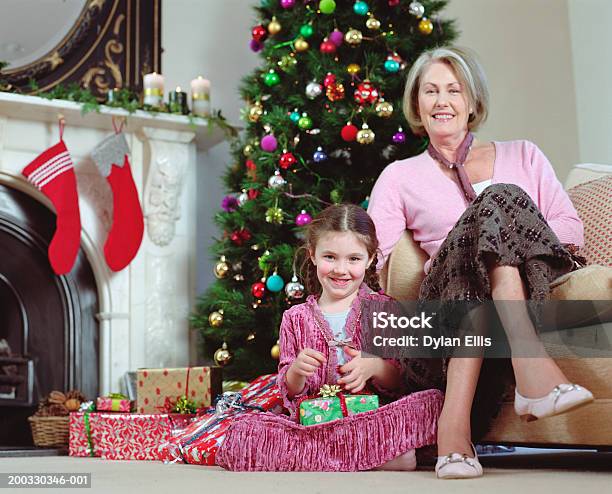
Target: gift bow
{"x":329,"y":390}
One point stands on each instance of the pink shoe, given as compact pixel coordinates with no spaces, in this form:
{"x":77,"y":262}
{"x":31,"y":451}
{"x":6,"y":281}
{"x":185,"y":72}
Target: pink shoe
{"x":458,"y":466}
{"x":561,"y":399}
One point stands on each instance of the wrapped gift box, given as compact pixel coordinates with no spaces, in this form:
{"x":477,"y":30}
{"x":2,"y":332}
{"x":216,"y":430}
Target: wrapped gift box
{"x":123,"y":436}
{"x":155,"y":386}
{"x":110,"y":404}
{"x":198,"y":442}
{"x":319,"y":410}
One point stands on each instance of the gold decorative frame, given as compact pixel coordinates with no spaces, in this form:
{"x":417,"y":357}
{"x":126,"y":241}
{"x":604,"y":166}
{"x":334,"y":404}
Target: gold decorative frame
{"x":112,"y":44}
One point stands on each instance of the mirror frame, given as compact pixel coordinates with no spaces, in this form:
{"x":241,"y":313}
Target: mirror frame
{"x":112,"y":44}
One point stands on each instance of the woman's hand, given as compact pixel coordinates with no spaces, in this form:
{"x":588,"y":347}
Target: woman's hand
{"x":304,"y":366}
{"x":358,"y":370}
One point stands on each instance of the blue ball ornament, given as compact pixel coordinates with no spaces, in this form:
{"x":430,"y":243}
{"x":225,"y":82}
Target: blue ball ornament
{"x":275,"y":283}
{"x":295,"y":116}
{"x":392,"y":65}
{"x":361,"y":8}
{"x":319,"y":155}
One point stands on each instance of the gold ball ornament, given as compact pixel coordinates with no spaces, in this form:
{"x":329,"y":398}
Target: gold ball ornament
{"x":215,"y":319}
{"x":353,"y":37}
{"x":373,"y":24}
{"x":301,"y":45}
{"x":384,"y":109}
{"x":248,"y":150}
{"x":221,"y":268}
{"x":365,"y":135}
{"x":255,"y":112}
{"x":223,"y":356}
{"x":353,"y":69}
{"x":426,"y":26}
{"x":275,"y":351}
{"x":274,"y":27}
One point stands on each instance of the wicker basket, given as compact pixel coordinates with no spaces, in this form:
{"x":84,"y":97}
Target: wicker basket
{"x":49,"y":431}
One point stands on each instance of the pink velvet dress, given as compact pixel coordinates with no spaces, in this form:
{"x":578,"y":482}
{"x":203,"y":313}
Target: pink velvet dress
{"x":265,"y":442}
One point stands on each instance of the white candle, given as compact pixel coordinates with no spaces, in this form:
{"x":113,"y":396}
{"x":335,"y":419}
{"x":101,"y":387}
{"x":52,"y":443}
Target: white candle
{"x":200,"y":96}
{"x":153,"y":89}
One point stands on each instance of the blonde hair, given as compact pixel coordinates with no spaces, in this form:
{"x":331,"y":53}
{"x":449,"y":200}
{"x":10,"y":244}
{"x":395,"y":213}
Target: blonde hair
{"x":468,"y":70}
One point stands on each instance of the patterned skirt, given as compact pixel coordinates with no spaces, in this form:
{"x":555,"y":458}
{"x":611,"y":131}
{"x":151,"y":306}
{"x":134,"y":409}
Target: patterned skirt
{"x":502,"y":222}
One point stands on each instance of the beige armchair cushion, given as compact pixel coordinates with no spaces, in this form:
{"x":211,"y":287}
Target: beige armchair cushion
{"x":403,"y":273}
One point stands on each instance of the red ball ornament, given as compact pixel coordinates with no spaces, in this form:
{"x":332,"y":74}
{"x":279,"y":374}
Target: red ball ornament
{"x":252,"y":193}
{"x":366,"y":93}
{"x":393,"y":3}
{"x":329,"y":79}
{"x":250,"y":164}
{"x":259,"y":33}
{"x":287,"y":160}
{"x":258,"y":289}
{"x":349,"y":132}
{"x":327,"y":47}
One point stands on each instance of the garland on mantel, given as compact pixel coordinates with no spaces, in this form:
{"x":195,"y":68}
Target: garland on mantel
{"x":124,"y":99}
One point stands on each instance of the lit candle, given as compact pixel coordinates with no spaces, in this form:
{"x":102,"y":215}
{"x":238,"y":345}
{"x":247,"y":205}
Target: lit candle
{"x":111,"y":96}
{"x":177,"y":101}
{"x":153,"y":89}
{"x":200,"y":97}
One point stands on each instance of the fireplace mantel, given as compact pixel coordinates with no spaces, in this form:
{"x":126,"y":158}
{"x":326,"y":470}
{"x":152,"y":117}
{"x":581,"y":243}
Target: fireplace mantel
{"x":143,"y":310}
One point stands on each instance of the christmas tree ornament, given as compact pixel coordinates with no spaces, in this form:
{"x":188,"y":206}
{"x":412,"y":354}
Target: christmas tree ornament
{"x":392,"y":66}
{"x":319,"y":155}
{"x":360,"y":8}
{"x":384,"y":109}
{"x":305,"y":122}
{"x":393,"y":3}
{"x":295,"y":116}
{"x":274,"y":27}
{"x":52,"y":172}
{"x":255,"y":112}
{"x":395,"y":56}
{"x":264,"y":261}
{"x":327,"y":6}
{"x":275,"y":351}
{"x":276,"y":181}
{"x":303,"y":218}
{"x":365,"y":203}
{"x":241,"y":236}
{"x":349,"y":132}
{"x":301,"y":44}
{"x":399,"y":137}
{"x":353,"y":37}
{"x":336,"y":37}
{"x":294,"y":289}
{"x":287,"y":62}
{"x":243,"y":198}
{"x":274,"y":215}
{"x":248,"y":150}
{"x":222,"y":356}
{"x":259,"y":33}
{"x":313,"y":90}
{"x":268,"y":143}
{"x":287,"y":4}
{"x":327,"y":47}
{"x":306,"y":30}
{"x":251,"y":337}
{"x":365,"y":135}
{"x":125,"y":235}
{"x":215,"y":319}
{"x":329,"y":79}
{"x":252,"y":193}
{"x":271,"y":78}
{"x":250,"y":164}
{"x":416,"y":9}
{"x":229,"y":204}
{"x":336,"y":196}
{"x":275,"y":283}
{"x":258,"y":289}
{"x":287,"y":160}
{"x":335,"y":92}
{"x":373,"y":24}
{"x":353,"y":69}
{"x":426,"y":26}
{"x":221,"y":268}
{"x":366,"y":93}
{"x":255,"y":45}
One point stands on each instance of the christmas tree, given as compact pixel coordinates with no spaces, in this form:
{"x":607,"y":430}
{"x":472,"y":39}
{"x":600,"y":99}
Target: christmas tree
{"x":323,"y":118}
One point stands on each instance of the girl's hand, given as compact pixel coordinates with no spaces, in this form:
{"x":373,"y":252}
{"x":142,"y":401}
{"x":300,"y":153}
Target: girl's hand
{"x":358,"y":371}
{"x":307,"y":362}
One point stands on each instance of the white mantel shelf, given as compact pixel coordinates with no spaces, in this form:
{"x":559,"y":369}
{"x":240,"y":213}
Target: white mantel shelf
{"x":39,"y":109}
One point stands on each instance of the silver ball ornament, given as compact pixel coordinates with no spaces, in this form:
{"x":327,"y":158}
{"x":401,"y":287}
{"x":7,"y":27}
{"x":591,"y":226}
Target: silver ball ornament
{"x":313,"y":90}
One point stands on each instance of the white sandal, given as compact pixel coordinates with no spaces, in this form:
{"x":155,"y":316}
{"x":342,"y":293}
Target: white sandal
{"x":561,"y":399}
{"x":458,"y":466}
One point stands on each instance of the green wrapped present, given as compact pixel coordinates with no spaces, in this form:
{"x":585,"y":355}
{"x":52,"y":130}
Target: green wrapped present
{"x":331,"y":404}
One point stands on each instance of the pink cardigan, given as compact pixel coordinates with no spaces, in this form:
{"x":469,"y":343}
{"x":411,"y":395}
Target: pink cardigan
{"x":414,"y":194}
{"x":299,"y":330}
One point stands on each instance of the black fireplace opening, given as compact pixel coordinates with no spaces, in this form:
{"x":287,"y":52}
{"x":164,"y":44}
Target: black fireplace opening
{"x":48,"y":326}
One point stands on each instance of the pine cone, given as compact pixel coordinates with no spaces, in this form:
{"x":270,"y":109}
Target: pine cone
{"x":57,"y":397}
{"x":75,"y":394}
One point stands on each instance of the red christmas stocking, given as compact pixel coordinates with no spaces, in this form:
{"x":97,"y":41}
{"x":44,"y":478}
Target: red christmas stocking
{"x":125,"y":236}
{"x":53,"y":173}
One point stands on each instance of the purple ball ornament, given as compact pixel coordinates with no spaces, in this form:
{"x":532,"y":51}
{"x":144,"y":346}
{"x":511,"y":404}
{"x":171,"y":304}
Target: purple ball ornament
{"x":336,"y":37}
{"x":287,"y":4}
{"x":255,"y":45}
{"x":229,"y":204}
{"x":399,"y":137}
{"x":268,"y":143}
{"x":303,"y":218}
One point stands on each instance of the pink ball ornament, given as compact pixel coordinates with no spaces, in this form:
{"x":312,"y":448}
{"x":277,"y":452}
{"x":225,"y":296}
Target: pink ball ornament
{"x":303,"y":218}
{"x":327,"y":47}
{"x":399,"y":137}
{"x":336,"y":37}
{"x":268,"y":143}
{"x":329,"y":79}
{"x":287,"y":4}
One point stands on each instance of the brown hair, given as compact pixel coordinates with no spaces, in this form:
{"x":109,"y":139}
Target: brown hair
{"x":339,"y":218}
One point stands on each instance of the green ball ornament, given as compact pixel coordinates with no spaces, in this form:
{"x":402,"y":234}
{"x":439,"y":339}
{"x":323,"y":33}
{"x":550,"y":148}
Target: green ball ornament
{"x":327,"y":6}
{"x":275,"y":283}
{"x":306,"y":31}
{"x":361,"y":8}
{"x":305,"y":122}
{"x":271,"y":79}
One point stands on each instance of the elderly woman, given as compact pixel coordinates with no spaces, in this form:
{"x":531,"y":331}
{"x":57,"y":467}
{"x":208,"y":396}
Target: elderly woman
{"x":496,"y":224}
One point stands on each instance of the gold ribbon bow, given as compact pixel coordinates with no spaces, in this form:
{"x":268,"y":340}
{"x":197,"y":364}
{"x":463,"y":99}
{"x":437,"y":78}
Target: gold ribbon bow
{"x":329,"y":390}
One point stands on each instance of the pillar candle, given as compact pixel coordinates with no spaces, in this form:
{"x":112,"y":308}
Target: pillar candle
{"x":178,"y":101}
{"x":200,"y":97}
{"x":153,"y":89}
